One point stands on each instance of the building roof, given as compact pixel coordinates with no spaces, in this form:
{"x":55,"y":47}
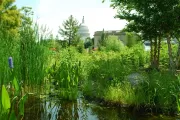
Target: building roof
{"x":109,"y":32}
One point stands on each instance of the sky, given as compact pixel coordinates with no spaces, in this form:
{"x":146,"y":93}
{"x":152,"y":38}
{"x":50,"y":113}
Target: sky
{"x":52,"y":13}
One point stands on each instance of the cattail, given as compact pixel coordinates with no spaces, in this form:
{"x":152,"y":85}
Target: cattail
{"x":10,"y":60}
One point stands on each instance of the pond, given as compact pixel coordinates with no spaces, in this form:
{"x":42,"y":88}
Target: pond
{"x":53,"y":108}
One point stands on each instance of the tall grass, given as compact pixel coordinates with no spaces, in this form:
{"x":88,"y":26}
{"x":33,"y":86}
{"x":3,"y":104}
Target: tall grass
{"x":65,"y":73}
{"x":161,"y":90}
{"x":106,"y":68}
{"x":107,"y":79}
{"x":33,"y":58}
{"x":30,"y":63}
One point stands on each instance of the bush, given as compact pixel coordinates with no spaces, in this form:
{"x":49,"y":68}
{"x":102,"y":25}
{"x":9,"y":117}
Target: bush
{"x":80,"y":47}
{"x":112,"y":43}
{"x":109,"y":68}
{"x":164,"y":57}
{"x":131,"y":39}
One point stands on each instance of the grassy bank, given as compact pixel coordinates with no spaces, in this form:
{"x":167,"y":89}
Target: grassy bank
{"x":121,"y":78}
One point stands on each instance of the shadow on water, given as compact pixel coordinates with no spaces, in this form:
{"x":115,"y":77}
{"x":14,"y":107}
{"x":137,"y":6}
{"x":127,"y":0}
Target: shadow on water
{"x":52,"y":108}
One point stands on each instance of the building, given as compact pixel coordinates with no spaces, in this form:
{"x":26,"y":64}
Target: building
{"x":98,"y":34}
{"x":83,"y":30}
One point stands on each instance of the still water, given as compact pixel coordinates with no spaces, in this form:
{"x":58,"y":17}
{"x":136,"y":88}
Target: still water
{"x":52,"y":108}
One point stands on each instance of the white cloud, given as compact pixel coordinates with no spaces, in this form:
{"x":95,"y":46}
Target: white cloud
{"x":53,"y":14}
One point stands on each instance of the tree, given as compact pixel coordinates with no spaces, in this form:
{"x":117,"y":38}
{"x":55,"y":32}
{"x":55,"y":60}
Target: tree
{"x":153,"y":19}
{"x":88,"y":43}
{"x":131,"y":39}
{"x":69,"y":29}
{"x":26,"y":16}
{"x":140,"y":16}
{"x":10,"y":17}
{"x":103,"y":38}
{"x":112,"y":43}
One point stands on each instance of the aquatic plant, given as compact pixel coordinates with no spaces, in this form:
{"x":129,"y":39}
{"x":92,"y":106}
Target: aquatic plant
{"x":65,"y":73}
{"x":12,"y":109}
{"x":110,"y":68}
{"x":33,"y":59}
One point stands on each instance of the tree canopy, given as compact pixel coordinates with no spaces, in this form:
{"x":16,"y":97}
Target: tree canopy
{"x":154,"y":19}
{"x":10,"y":16}
{"x":69,"y":29}
{"x":150,"y":17}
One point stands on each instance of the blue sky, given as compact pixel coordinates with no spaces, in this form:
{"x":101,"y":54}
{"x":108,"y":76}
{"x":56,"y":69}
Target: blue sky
{"x":52,"y":13}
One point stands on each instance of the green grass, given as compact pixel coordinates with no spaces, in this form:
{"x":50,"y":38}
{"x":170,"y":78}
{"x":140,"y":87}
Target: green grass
{"x":30,"y":60}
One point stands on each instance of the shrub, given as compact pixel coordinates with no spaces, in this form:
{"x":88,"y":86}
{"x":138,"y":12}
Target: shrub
{"x":80,"y":47}
{"x":131,"y":39}
{"x":112,"y":43}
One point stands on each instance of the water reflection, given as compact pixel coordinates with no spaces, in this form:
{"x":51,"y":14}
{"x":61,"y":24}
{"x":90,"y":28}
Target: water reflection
{"x":56,"y":109}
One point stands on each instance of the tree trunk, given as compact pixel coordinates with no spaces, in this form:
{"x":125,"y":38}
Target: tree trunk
{"x":171,"y":62}
{"x":69,"y":43}
{"x":178,"y":55}
{"x":159,"y":49}
{"x":70,"y":37}
{"x":154,"y":55}
{"x":151,"y":52}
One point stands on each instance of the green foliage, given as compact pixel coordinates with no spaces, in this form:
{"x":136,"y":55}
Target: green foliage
{"x":112,"y":43}
{"x":16,"y":86}
{"x":149,"y":15}
{"x":103,"y":38}
{"x":8,"y":47}
{"x":63,"y":43}
{"x":131,"y":39}
{"x":88,"y":43}
{"x":21,"y":104}
{"x":5,"y":99}
{"x":122,"y":93}
{"x":66,"y":73}
{"x":164,"y":58}
{"x":13,"y":116}
{"x":8,"y":107}
{"x":26,"y":14}
{"x":106,"y":68}
{"x":10,"y":17}
{"x":161,"y":95}
{"x":76,"y":41}
{"x":80,"y":47}
{"x":146,"y":17}
{"x":33,"y":57}
{"x":69,"y":29}
{"x":28,"y":55}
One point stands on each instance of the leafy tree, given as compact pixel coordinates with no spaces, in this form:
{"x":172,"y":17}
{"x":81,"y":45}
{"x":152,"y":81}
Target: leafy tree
{"x":76,"y":40}
{"x":10,"y":17}
{"x":69,"y":29}
{"x":26,"y":16}
{"x":112,"y":43}
{"x":131,"y":39}
{"x":88,"y":42}
{"x":103,"y":37}
{"x":153,"y":19}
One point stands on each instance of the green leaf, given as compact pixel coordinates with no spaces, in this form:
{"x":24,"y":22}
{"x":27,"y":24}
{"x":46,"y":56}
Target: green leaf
{"x":21,"y":104}
{"x":15,"y":83}
{"x":5,"y":99}
{"x":68,"y":78}
{"x":13,"y":116}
